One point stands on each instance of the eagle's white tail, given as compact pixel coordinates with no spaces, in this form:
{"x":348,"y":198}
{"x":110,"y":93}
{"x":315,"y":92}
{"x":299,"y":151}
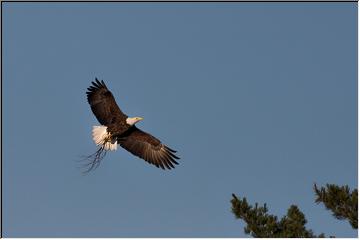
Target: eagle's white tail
{"x":102,"y":137}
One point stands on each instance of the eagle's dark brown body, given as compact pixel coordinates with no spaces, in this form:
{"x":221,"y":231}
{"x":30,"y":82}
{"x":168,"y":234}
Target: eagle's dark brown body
{"x":134,"y":140}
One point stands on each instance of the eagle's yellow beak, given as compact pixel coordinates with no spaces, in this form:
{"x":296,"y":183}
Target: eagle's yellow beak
{"x":133,"y":120}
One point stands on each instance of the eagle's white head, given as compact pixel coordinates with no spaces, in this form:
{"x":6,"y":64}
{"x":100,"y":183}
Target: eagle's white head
{"x":133,"y":120}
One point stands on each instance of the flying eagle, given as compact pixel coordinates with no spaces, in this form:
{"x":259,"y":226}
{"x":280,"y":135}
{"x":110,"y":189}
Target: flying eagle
{"x":117,"y":128}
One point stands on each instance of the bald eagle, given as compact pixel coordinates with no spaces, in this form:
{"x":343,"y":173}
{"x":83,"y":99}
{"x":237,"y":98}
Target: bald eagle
{"x":119,"y":129}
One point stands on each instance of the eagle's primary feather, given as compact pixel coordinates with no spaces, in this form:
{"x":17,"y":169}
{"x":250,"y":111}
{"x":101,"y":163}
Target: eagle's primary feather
{"x":117,"y":129}
{"x":103,"y":104}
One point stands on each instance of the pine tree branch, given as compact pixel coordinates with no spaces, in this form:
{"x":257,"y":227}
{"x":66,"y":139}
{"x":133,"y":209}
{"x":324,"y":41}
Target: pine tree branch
{"x":261,"y":224}
{"x":342,"y":203}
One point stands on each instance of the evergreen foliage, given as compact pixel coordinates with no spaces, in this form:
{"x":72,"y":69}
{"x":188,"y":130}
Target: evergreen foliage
{"x":340,"y":201}
{"x":264,"y":225}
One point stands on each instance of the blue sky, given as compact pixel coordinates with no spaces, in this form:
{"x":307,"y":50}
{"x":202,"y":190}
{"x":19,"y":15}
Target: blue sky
{"x":259,"y":99}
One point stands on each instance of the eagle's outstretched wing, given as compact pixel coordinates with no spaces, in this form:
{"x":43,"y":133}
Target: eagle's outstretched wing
{"x":148,"y":148}
{"x":103,"y":104}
